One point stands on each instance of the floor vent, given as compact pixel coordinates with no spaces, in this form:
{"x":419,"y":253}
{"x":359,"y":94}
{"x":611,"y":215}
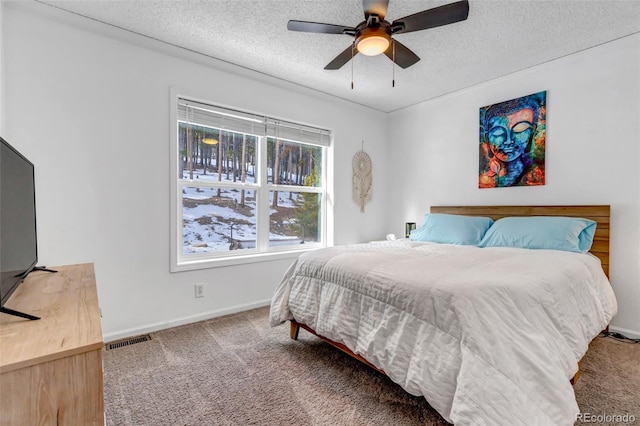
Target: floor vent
{"x":127,"y":342}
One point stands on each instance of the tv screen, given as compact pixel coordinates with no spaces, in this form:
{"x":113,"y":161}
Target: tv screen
{"x":18,"y":247}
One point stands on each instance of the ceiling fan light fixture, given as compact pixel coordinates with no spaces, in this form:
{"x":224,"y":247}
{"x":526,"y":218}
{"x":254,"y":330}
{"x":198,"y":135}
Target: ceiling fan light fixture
{"x":373,"y":41}
{"x":373,"y":36}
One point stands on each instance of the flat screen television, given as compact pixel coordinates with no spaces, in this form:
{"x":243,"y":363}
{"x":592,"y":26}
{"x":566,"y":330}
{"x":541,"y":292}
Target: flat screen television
{"x":18,"y":242}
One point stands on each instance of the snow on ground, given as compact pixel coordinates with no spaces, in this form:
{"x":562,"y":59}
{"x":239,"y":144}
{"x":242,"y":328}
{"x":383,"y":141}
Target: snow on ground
{"x":207,"y":227}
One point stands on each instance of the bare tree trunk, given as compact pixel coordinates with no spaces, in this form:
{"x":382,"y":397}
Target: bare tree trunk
{"x":182,"y":136}
{"x":234,"y":158}
{"x":189,"y":151}
{"x":276,"y":173}
{"x":243,"y":167}
{"x":212,"y":153}
{"x":299,"y":179}
{"x":227,"y":155}
{"x":220,"y":160}
{"x":289,"y":165}
{"x":198,"y":154}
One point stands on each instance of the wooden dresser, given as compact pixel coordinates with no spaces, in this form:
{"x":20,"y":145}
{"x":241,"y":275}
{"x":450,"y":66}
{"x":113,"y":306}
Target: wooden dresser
{"x":51,"y":368}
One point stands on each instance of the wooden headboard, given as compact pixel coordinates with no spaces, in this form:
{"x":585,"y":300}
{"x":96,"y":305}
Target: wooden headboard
{"x":599,"y":214}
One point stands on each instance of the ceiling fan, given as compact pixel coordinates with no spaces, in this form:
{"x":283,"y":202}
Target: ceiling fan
{"x":373,"y":36}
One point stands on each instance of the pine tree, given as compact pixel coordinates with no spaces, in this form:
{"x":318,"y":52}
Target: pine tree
{"x":307,"y":211}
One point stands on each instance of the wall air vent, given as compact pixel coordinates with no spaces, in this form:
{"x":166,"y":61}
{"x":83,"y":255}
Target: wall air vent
{"x":127,"y":342}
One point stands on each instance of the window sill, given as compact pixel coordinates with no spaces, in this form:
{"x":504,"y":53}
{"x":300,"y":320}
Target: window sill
{"x":239,"y":260}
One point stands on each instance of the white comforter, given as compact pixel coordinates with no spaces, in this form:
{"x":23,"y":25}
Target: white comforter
{"x":489,"y":336}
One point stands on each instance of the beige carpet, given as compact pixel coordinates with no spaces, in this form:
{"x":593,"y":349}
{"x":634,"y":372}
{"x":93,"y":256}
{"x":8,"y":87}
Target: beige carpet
{"x":236,"y":370}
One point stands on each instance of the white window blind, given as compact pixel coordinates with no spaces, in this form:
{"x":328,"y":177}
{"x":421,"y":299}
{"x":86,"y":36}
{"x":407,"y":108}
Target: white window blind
{"x":228,"y":119}
{"x":220,"y":118}
{"x":297,"y":132}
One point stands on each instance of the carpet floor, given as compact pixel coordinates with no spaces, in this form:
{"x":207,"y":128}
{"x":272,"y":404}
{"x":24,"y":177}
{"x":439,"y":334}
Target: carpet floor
{"x":236,"y":370}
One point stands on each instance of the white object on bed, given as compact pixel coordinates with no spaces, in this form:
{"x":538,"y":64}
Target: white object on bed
{"x":490,"y":336}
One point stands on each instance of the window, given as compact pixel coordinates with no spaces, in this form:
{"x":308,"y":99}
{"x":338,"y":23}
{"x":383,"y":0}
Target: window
{"x":245,"y":185}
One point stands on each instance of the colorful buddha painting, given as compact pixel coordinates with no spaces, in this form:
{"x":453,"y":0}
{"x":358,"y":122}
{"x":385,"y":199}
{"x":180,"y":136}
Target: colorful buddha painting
{"x":512,"y":142}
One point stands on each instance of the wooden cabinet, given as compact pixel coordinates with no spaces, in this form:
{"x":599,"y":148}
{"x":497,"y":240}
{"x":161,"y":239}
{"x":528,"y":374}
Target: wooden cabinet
{"x":51,"y":368}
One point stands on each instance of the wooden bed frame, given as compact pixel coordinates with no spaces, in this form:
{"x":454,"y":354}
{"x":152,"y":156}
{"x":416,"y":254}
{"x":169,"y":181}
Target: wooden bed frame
{"x":600,"y":248}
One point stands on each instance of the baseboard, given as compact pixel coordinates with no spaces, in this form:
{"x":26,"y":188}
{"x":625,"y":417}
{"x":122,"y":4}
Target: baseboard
{"x":109,"y":337}
{"x":626,"y":332}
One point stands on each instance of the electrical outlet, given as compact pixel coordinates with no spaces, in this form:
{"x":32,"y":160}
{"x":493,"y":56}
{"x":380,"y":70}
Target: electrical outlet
{"x":199,"y":290}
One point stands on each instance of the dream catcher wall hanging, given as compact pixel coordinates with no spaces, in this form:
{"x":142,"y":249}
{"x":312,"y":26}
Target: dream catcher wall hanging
{"x":362,"y":178}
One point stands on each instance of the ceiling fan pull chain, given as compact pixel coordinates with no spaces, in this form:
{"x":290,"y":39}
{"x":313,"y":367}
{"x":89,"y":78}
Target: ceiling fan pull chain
{"x":353,"y":46}
{"x":393,"y":65}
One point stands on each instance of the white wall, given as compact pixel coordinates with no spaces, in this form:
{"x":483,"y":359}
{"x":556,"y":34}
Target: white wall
{"x":592,"y":153}
{"x":89,"y":105}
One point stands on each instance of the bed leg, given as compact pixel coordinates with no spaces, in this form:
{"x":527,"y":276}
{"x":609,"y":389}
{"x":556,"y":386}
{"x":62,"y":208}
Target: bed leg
{"x":294,"y":330}
{"x":575,"y":378}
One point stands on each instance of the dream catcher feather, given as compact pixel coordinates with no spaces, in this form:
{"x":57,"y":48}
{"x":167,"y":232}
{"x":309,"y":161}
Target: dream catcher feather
{"x":362,"y":178}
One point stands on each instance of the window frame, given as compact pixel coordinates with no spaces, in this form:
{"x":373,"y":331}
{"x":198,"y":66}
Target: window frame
{"x":262,"y":252}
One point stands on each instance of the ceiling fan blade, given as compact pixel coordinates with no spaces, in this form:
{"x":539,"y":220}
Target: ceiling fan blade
{"x":342,"y":58}
{"x":378,"y":7}
{"x":404,"y":57}
{"x":317,"y":27}
{"x":430,"y":18}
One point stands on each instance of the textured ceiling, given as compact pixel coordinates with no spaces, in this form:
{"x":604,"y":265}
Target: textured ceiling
{"x":499,"y":38}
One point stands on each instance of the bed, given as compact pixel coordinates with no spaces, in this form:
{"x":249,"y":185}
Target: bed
{"x":489,"y":336}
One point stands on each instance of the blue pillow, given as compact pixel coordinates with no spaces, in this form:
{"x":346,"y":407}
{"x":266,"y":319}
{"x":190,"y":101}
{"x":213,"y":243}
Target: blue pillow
{"x":541,"y":232}
{"x":451,"y":229}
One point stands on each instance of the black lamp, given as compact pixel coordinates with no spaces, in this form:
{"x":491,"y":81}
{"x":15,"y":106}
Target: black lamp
{"x":408,"y":227}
